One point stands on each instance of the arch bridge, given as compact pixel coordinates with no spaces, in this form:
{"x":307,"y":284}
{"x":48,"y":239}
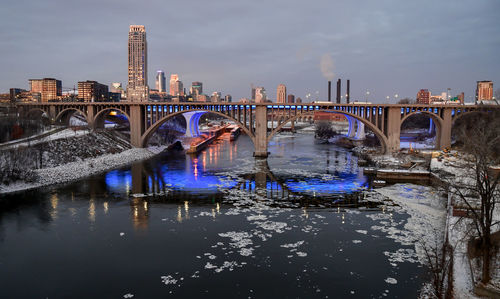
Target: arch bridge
{"x":259,"y":121}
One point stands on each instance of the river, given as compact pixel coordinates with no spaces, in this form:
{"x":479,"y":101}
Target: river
{"x":220,"y":225}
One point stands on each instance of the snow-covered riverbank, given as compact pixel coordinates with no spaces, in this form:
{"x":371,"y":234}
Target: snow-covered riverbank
{"x":79,"y":169}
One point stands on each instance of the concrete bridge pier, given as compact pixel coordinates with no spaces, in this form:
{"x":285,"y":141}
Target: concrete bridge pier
{"x":136,"y":125}
{"x":260,"y":134}
{"x":192,"y":123}
{"x":360,"y":130}
{"x":445,"y":136}
{"x":393,"y":127}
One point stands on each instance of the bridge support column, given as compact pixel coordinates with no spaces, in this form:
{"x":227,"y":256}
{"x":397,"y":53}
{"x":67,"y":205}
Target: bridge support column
{"x":192,"y":123}
{"x":136,"y":125}
{"x":393,"y":129}
{"x":260,"y":140}
{"x":445,"y":136}
{"x":52,"y":114}
{"x":360,"y":130}
{"x":91,"y":117}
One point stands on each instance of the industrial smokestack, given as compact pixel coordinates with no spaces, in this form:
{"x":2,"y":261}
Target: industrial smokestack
{"x":338,"y":90}
{"x":329,"y":91}
{"x":348,"y":94}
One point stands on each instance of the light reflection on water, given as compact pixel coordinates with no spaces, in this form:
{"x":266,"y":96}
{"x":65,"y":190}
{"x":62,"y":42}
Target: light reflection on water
{"x":178,"y":208}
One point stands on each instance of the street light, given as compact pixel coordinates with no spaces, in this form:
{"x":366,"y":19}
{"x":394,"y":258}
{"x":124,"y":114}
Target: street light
{"x":367,"y":94}
{"x":387,"y":97}
{"x":396,"y":97}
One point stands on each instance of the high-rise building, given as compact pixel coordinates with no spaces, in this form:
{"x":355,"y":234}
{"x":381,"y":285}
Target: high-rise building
{"x":196,"y":89}
{"x":228,"y":98}
{"x":49,"y":88}
{"x":260,"y":95}
{"x":484,"y":90}
{"x":216,"y":95}
{"x":161,"y":84}
{"x":92,"y":91}
{"x":291,"y":98}
{"x":281,"y":94}
{"x":176,"y":86}
{"x":423,"y":97}
{"x":137,"y":89}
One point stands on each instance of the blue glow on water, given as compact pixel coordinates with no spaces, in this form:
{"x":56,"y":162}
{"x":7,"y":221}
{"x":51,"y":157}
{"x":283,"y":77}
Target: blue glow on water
{"x":119,"y":180}
{"x":346,"y":184}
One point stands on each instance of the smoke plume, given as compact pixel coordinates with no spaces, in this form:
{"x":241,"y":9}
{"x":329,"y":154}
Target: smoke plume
{"x":326,"y":66}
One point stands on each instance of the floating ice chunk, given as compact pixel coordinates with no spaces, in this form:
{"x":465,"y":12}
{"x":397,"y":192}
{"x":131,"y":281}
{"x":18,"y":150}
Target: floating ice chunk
{"x":246,"y":251}
{"x":292,"y":245}
{"x":361,"y":231}
{"x":301,"y":254}
{"x":210,"y":266}
{"x":122,"y":234}
{"x":391,"y":280}
{"x":356,"y":241}
{"x":168,"y":280}
{"x":256,"y":217}
{"x":128,"y":295}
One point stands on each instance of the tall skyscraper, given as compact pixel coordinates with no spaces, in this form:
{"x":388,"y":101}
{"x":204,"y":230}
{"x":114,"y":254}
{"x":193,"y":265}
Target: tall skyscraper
{"x":260,"y":95}
{"x":484,"y":90}
{"x":49,"y":88}
{"x":137,"y":89}
{"x":281,"y":94}
{"x":176,"y":86}
{"x":291,"y":98}
{"x":161,"y":84}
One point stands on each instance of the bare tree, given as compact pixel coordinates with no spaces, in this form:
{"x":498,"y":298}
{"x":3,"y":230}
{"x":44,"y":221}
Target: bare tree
{"x":324,"y":130}
{"x":479,"y":190}
{"x":406,"y":101}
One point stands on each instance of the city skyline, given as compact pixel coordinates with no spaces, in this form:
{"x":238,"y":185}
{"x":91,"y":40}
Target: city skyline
{"x":388,"y":48}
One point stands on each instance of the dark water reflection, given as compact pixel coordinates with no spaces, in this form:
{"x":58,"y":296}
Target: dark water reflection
{"x":218,"y":225}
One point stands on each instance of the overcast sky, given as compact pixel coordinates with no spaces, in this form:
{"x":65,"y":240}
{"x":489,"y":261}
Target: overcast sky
{"x":383,"y":46}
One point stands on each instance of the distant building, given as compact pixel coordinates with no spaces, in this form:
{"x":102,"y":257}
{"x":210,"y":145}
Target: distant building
{"x":228,"y":98}
{"x":202,"y":98}
{"x":196,"y":89}
{"x":92,"y":91}
{"x":50,"y":89}
{"x":215,"y":96}
{"x":327,"y":116}
{"x":115,"y":96}
{"x":281,"y":94}
{"x":291,"y":98}
{"x":484,"y":91}
{"x":260,"y":95}
{"x":252,"y":97}
{"x":4,"y":97}
{"x":424,"y":97}
{"x":137,"y":89}
{"x":14,"y":93}
{"x":461,"y":98}
{"x":161,"y":84}
{"x":176,"y":86}
{"x":298,"y":100}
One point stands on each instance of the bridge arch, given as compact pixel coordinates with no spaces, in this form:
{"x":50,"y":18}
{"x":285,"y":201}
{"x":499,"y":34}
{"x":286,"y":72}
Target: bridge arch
{"x":466,"y":114}
{"x":65,"y":114}
{"x":438,"y":121}
{"x":98,"y":121}
{"x":310,"y":115}
{"x":147,"y":134}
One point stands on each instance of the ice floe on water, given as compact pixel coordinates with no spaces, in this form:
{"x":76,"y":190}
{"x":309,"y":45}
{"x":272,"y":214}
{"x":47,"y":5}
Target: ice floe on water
{"x":292,"y":245}
{"x":129,"y":295}
{"x":426,"y":210}
{"x":356,"y":241}
{"x":361,"y":231}
{"x":391,"y":280}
